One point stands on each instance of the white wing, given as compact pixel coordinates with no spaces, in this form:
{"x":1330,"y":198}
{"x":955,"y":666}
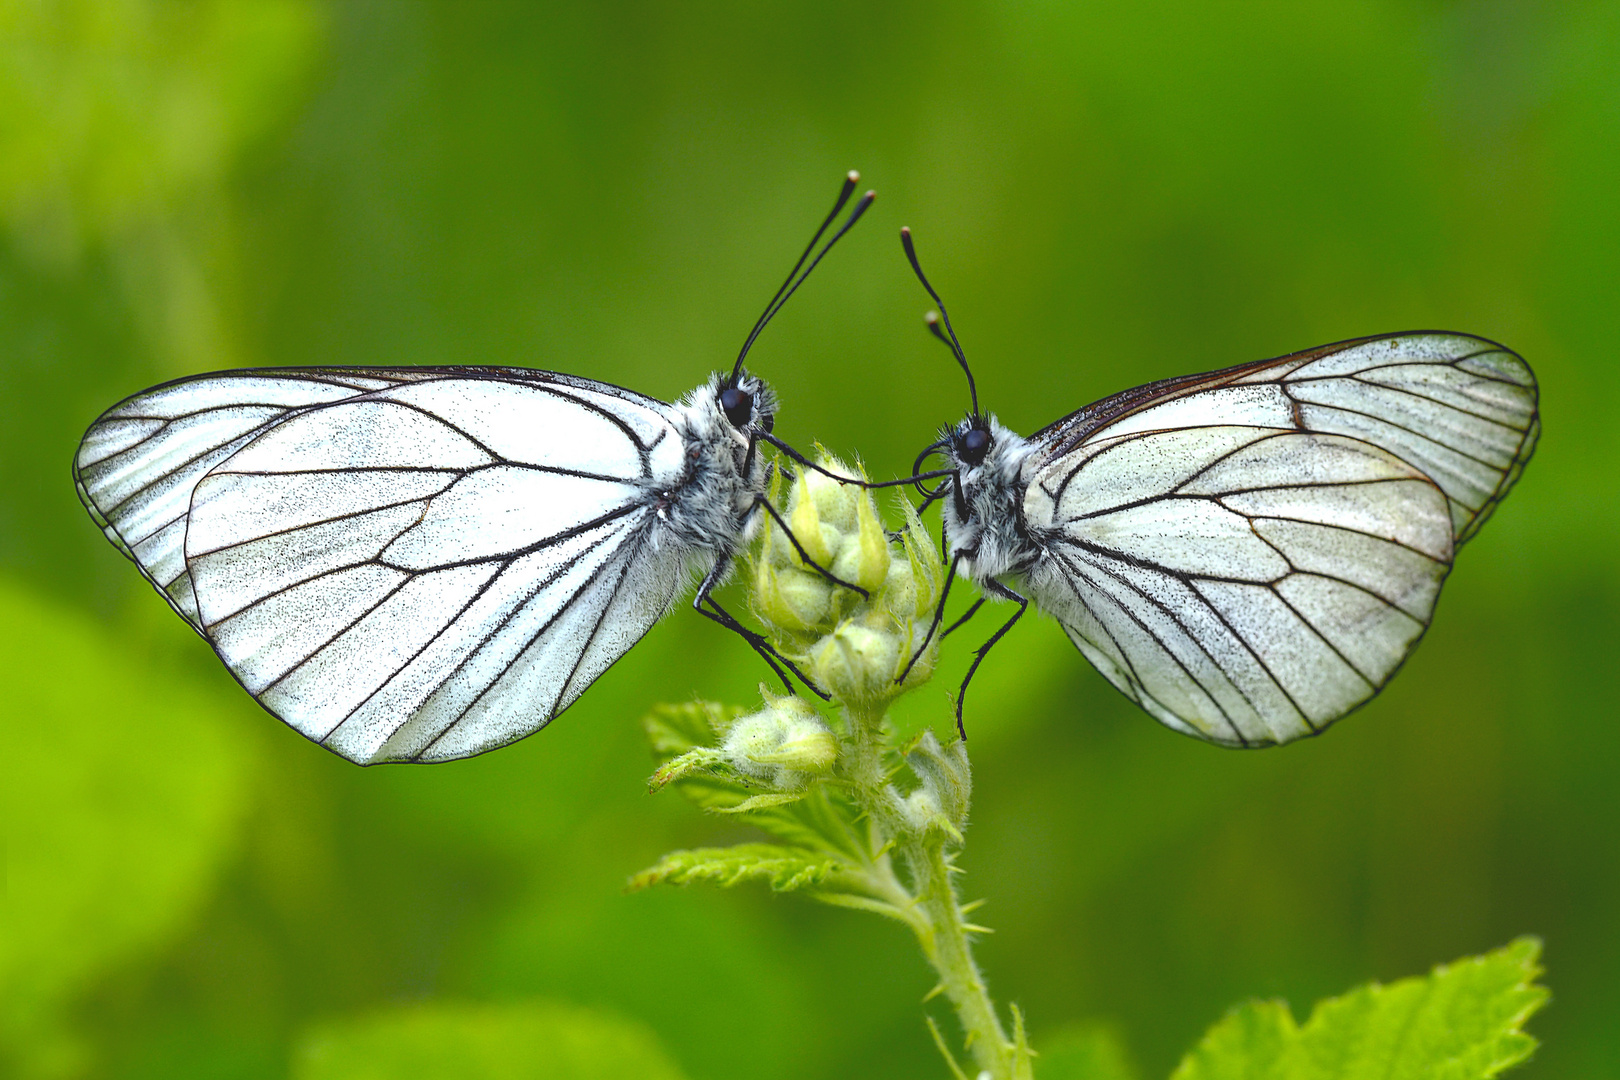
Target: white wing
{"x":139,"y":461}
{"x":1251,"y":554}
{"x":438,"y":568}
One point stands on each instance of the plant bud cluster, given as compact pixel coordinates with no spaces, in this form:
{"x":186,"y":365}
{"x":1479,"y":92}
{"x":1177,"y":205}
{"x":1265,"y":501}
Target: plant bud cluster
{"x":851,"y":646}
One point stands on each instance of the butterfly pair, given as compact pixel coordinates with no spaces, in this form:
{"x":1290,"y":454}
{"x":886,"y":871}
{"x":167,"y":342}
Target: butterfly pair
{"x":421,"y":564}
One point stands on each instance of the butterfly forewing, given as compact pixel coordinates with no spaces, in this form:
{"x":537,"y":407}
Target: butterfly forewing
{"x":1460,"y":409}
{"x":138,"y":463}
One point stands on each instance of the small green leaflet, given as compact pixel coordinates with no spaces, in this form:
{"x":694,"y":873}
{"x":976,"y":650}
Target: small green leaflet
{"x":786,"y":869}
{"x":1464,"y":1021}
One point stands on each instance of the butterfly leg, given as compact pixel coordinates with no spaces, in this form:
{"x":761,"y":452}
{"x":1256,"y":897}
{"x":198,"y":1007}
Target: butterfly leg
{"x":762,"y":501}
{"x":959,"y":623}
{"x":756,"y":641}
{"x":939,"y":615}
{"x":990,"y":585}
{"x":802,"y":460}
{"x":857,"y":481}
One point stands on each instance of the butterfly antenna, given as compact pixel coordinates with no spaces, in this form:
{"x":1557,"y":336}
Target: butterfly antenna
{"x":934,"y":320}
{"x":791,"y":283}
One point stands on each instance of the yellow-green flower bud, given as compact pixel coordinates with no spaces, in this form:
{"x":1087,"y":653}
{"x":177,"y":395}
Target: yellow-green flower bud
{"x":853,"y":647}
{"x":857,"y":661}
{"x":900,"y":589}
{"x":785,"y":744}
{"x":797,"y":600}
{"x":872,"y":543}
{"x":820,"y":539}
{"x":927,"y":574}
{"x":923,"y":669}
{"x":836,"y":503}
{"x":945,"y":771}
{"x":922,"y":811}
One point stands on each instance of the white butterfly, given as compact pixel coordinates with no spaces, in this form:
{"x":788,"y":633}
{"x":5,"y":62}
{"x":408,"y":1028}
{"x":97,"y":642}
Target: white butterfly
{"x":421,"y":564}
{"x":1252,"y":553}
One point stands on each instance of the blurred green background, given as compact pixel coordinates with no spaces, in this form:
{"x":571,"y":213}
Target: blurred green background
{"x":1106,"y":192}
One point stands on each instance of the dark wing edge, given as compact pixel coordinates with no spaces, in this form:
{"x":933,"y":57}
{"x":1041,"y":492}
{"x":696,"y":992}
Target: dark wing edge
{"x":1510,"y":477}
{"x":1068,"y":432}
{"x":1481,"y":358}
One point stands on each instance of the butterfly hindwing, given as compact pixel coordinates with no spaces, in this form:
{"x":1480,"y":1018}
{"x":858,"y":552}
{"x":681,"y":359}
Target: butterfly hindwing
{"x":1248,"y":585}
{"x":1251,"y":554}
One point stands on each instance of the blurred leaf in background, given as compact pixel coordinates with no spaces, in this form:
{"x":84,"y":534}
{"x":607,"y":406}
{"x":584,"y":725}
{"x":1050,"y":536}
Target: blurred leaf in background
{"x":467,"y":1042}
{"x":1106,"y":193}
{"x":1085,"y":1052}
{"x":120,"y":121}
{"x":116,"y":830}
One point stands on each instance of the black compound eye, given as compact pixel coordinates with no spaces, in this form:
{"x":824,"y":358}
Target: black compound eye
{"x":738,"y":405}
{"x":972,"y":447}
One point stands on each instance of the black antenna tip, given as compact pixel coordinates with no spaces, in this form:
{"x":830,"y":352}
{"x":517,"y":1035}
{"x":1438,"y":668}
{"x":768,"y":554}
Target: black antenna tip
{"x":947,"y":334}
{"x":855,"y":214}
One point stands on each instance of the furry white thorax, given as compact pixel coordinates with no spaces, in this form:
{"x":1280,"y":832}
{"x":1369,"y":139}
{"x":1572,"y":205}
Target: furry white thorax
{"x":708,"y":507}
{"x":990,"y":535}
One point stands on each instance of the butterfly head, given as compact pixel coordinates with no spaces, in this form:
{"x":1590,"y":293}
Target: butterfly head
{"x":972,"y":441}
{"x":745,"y":403}
{"x":980,"y":449}
{"x":964,"y":446}
{"x":981,"y":495}
{"x":721,"y":424}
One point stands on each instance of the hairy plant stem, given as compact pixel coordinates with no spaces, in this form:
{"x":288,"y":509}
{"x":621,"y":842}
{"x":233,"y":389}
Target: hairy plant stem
{"x":937,"y":917}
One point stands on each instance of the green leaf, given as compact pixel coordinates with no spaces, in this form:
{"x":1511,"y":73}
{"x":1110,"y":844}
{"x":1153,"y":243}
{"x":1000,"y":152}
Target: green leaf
{"x":1084,"y":1052}
{"x":823,"y":820}
{"x":786,"y":869}
{"x":674,"y":729}
{"x":122,"y":798}
{"x":689,"y":730}
{"x":484,"y":1042}
{"x":1464,"y":1021}
{"x":1252,"y":1041}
